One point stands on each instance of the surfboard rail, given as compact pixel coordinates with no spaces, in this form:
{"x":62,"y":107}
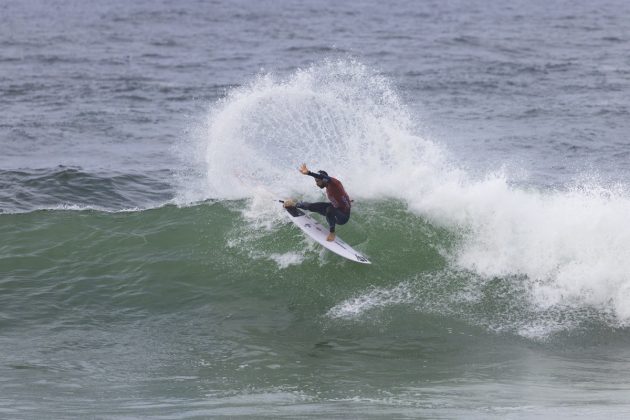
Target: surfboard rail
{"x":316,"y":231}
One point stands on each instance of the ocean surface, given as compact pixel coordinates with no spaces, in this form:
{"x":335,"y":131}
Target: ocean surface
{"x":148,"y":271}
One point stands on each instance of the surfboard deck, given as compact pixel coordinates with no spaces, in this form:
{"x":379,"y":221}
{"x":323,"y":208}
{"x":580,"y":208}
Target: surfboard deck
{"x":315,"y":230}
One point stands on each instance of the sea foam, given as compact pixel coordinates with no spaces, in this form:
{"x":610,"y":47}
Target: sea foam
{"x":571,"y":246}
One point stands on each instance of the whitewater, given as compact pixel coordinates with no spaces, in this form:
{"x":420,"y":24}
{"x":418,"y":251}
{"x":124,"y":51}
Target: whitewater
{"x":566,"y":246}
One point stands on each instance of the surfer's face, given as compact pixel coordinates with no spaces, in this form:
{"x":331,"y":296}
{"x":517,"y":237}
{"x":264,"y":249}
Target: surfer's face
{"x":320,"y":183}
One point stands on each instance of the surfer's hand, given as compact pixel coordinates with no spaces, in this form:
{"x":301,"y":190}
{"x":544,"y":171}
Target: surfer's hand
{"x":304,"y":169}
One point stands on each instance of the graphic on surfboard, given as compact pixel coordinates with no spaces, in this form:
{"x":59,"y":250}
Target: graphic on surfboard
{"x":318,"y":232}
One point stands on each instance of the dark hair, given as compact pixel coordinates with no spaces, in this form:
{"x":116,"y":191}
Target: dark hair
{"x":323,"y":173}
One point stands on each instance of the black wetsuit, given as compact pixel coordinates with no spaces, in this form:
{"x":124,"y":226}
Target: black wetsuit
{"x":337,"y":212}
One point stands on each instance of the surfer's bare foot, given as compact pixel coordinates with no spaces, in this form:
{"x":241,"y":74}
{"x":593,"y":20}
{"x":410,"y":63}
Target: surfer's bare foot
{"x":289,"y":203}
{"x":331,"y":237}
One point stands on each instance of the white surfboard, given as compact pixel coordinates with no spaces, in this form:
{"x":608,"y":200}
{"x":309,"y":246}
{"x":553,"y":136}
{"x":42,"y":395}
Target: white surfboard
{"x":319,"y":233}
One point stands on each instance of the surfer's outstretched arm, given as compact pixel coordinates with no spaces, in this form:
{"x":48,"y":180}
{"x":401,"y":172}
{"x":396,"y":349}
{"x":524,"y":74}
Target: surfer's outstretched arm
{"x":315,"y":175}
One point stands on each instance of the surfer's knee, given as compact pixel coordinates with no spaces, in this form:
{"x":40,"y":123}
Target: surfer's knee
{"x":342,"y":218}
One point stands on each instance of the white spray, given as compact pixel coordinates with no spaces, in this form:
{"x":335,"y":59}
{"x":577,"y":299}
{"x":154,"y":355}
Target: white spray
{"x":572,"y":246}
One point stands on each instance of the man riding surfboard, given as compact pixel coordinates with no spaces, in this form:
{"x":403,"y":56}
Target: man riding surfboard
{"x":337,"y":211}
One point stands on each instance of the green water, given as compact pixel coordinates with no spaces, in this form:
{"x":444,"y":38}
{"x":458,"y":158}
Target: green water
{"x":177,"y":312}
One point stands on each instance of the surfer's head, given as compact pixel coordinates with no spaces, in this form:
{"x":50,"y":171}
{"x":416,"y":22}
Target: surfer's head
{"x":321,"y":183}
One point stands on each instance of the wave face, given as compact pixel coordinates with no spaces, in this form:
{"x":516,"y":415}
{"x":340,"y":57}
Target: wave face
{"x":560,"y":250}
{"x":174,"y":260}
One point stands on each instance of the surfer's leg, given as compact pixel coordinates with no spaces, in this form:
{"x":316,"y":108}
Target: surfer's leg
{"x":336,"y":217}
{"x":341,"y":217}
{"x":327,"y":210}
{"x":314,"y":207}
{"x":331,"y":217}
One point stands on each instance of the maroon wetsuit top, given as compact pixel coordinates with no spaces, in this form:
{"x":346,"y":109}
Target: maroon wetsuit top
{"x":335,"y":192}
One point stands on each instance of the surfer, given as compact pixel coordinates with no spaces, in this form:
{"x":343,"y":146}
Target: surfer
{"x":337,"y":212}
